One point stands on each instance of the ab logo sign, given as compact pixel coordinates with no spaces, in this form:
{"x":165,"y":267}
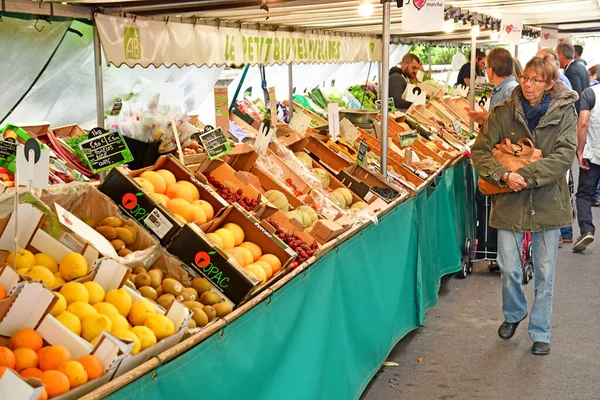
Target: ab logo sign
{"x":132,"y":43}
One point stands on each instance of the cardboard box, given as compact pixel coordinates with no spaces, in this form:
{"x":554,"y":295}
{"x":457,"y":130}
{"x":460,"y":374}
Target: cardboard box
{"x":12,"y":386}
{"x":325,"y":230}
{"x":269,"y":182}
{"x":193,"y":248}
{"x":242,"y":157}
{"x":36,"y":240}
{"x":321,"y":153}
{"x":290,"y":226}
{"x":360,"y":180}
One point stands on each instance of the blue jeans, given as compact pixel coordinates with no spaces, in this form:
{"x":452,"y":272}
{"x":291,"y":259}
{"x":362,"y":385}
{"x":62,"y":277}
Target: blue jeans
{"x":566,"y":232}
{"x":514,"y":303}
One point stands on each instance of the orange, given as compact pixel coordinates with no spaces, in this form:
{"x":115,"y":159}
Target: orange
{"x":208,"y":209}
{"x":2,"y":293}
{"x":227,"y":238}
{"x":273,"y":261}
{"x":25,"y":358}
{"x":56,"y":383}
{"x":7,"y":357}
{"x":43,"y":395}
{"x":92,"y":366}
{"x":75,"y":372}
{"x":3,"y":370}
{"x":179,"y":191}
{"x":216,"y":239}
{"x":157,"y":181}
{"x":146,"y":184}
{"x":53,"y":357}
{"x":234,"y":253}
{"x":32,"y":373}
{"x":193,"y":189}
{"x":167,"y":176}
{"x":160,"y":198}
{"x":257,"y":272}
{"x":180,"y":207}
{"x":26,"y":338}
{"x":237,"y":231}
{"x":198,"y":215}
{"x":254,"y":249}
{"x":266,"y":267}
{"x":248,"y":259}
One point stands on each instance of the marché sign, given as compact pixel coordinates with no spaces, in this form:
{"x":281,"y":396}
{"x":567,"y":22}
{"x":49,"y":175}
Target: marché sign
{"x":138,"y":42}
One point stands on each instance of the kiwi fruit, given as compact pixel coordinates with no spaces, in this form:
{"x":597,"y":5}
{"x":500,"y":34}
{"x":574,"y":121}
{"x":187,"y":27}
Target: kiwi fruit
{"x":124,"y":252}
{"x":159,"y":291}
{"x":200,"y":317}
{"x":155,"y":278}
{"x":138,"y":270}
{"x":108,"y":232}
{"x":148,"y":292}
{"x":125,"y":235}
{"x":159,"y":272}
{"x":210,"y":312}
{"x":132,"y":277}
{"x":165,"y":300}
{"x":169,"y":275}
{"x":114,"y":222}
{"x":222,"y":309}
{"x":142,"y":279}
{"x":192,"y":304}
{"x":201,"y":285}
{"x":133,"y":232}
{"x":185,"y":296}
{"x":192,"y":292}
{"x":210,"y":298}
{"x":192,"y":324}
{"x":117,"y":244}
{"x":90,"y":222}
{"x":172,"y":286}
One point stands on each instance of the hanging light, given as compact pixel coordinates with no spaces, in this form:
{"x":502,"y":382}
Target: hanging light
{"x":365,"y":9}
{"x":449,"y":26}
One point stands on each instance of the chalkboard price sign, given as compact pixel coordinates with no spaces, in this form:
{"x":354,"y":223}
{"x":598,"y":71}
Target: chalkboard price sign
{"x":8,"y":149}
{"x":105,"y":151}
{"x":407,"y":138}
{"x":362,"y":152}
{"x":216,"y":144}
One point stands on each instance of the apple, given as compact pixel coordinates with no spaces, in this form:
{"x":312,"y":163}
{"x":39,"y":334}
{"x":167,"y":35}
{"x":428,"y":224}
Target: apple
{"x":9,"y":184}
{"x":4,"y":170}
{"x":5,"y":177}
{"x":10,"y":134}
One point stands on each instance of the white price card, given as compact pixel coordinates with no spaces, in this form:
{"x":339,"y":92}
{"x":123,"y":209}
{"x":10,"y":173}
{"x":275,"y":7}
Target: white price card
{"x":415,"y":94}
{"x":158,"y":223}
{"x":33,"y":165}
{"x":333,"y":116}
{"x":265,"y":134}
{"x":300,"y":123}
{"x":348,"y":131}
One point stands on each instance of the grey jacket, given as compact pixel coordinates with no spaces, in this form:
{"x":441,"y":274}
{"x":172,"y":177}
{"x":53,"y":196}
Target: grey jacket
{"x":545,"y":204}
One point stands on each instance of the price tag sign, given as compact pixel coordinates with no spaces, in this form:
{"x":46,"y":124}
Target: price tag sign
{"x":33,"y":165}
{"x":362,"y":152}
{"x":273,"y":104}
{"x":222,"y":108}
{"x":215,"y":143}
{"x":105,"y":150}
{"x":348,"y":131}
{"x":408,"y":138}
{"x":300,"y":123}
{"x":333,"y":116}
{"x":391,"y":104}
{"x":457,"y":127}
{"x":415,"y":94}
{"x":265,"y":134}
{"x":116,"y":110}
{"x":8,"y":149}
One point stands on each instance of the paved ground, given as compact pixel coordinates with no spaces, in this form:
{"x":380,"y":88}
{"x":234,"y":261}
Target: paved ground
{"x":463,"y":358}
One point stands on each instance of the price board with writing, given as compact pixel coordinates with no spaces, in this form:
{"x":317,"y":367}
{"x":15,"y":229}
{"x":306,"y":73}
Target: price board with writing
{"x":362,"y":152}
{"x":457,"y":127}
{"x":408,"y":138}
{"x":105,"y":150}
{"x":8,"y":149}
{"x":215,"y":143}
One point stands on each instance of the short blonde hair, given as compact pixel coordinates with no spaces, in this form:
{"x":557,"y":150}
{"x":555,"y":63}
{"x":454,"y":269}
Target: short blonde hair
{"x":542,"y":67}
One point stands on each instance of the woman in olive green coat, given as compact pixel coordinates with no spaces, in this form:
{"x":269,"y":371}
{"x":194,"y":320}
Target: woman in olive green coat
{"x":542,"y":110}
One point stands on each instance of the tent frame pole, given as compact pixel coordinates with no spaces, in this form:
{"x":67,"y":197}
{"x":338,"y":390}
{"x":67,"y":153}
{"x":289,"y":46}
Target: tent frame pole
{"x":385,"y":83}
{"x":291,"y":90}
{"x":473,"y":77}
{"x":99,"y":83}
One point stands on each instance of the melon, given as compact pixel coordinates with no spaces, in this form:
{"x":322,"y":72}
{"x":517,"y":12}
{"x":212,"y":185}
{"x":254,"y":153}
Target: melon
{"x":323,"y":176}
{"x":301,"y":216}
{"x":313,"y":214}
{"x":338,"y":199}
{"x":304,"y":159}
{"x":359,"y":206}
{"x":347,"y":195}
{"x":278,"y":199}
{"x":432,"y":146}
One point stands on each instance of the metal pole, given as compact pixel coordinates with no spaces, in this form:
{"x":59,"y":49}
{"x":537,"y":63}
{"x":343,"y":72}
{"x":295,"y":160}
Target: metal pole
{"x":379,"y":74}
{"x":473,"y":76}
{"x":385,"y":83}
{"x":291,"y":90}
{"x":517,"y":51}
{"x":430,"y":58}
{"x":99,"y":86}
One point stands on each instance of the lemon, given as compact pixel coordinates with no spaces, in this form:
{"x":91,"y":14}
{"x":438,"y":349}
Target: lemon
{"x":58,"y":280}
{"x":146,"y":336}
{"x":73,"y":266}
{"x":161,"y":326}
{"x":140,"y":311}
{"x":81,"y":310}
{"x":75,"y":291}
{"x":23,"y":271}
{"x":93,"y":326}
{"x":125,"y":334}
{"x":120,"y":299}
{"x":96,"y":292}
{"x":59,"y":306}
{"x":119,"y":322}
{"x":46,"y":261}
{"x":24,"y":259}
{"x":70,"y":321}
{"x":106,"y":309}
{"x":43,"y":274}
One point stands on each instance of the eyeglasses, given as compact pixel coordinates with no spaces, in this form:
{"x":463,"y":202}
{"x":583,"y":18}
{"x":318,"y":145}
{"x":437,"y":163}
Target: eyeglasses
{"x":534,"y":81}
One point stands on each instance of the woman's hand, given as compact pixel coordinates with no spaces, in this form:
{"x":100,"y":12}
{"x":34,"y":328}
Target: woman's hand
{"x":478,"y":116}
{"x":514,"y":181}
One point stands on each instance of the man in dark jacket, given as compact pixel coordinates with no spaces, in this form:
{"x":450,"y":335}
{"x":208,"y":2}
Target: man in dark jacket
{"x":575,"y":71}
{"x":464,"y":75}
{"x":400,"y":77}
{"x":579,"y":53}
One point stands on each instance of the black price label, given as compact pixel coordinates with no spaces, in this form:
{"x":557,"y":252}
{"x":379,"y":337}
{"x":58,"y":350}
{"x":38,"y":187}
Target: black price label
{"x":8,"y":149}
{"x":216,"y":143}
{"x":105,"y":150}
{"x":362,"y":152}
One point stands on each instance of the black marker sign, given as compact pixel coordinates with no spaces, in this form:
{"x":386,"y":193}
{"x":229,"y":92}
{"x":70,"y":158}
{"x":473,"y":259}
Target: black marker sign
{"x":362,"y":152}
{"x":105,"y":150}
{"x":8,"y":149}
{"x":215,"y":143}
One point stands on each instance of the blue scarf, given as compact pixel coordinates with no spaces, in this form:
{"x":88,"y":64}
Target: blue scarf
{"x":535,"y":114}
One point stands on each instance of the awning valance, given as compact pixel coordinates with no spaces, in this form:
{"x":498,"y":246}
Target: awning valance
{"x":143,"y":42}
